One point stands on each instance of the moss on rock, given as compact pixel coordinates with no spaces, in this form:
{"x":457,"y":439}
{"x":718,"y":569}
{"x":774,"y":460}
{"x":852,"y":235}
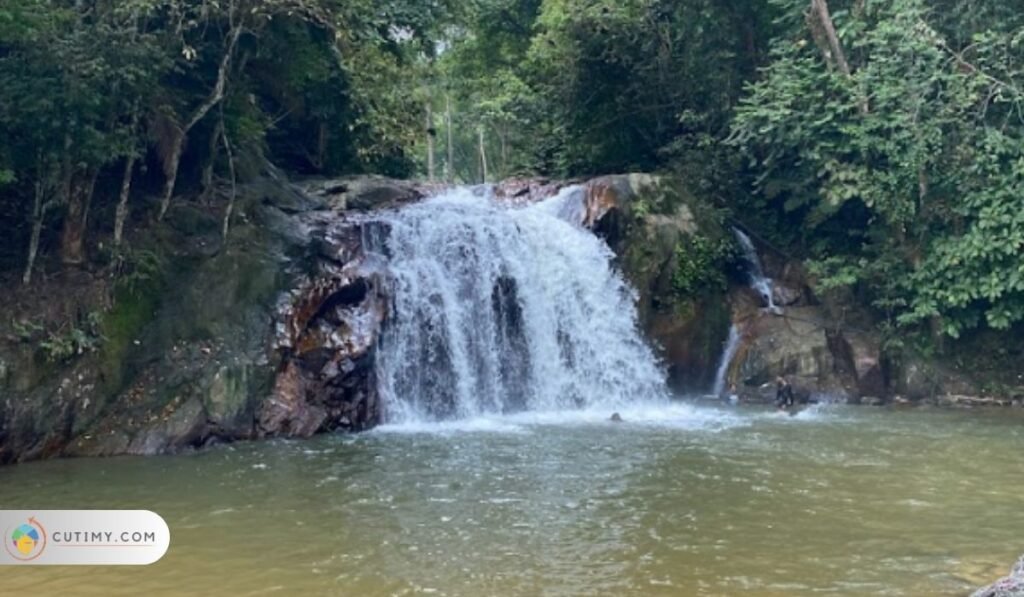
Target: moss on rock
{"x":674,"y":249}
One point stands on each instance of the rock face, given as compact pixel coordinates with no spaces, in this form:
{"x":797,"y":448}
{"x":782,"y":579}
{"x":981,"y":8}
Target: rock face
{"x":830,"y":350}
{"x":270,"y":334}
{"x":184,"y":349}
{"x":326,"y":335}
{"x":822,"y":362}
{"x":646,"y":220}
{"x":274,"y":333}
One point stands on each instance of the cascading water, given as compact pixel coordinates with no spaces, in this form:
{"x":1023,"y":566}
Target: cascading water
{"x":732,"y":344}
{"x":758,"y":280}
{"x":498,"y":309}
{"x":764,"y":286}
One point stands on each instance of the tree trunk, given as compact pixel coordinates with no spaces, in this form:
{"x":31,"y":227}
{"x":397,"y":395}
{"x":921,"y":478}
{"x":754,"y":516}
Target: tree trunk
{"x":451,"y":147}
{"x":483,"y":156}
{"x":430,"y":143}
{"x":503,"y":137}
{"x":39,"y":210}
{"x":211,"y":161}
{"x":819,"y":8}
{"x":171,"y":171}
{"x":33,"y":249}
{"x":231,"y":170}
{"x":121,"y":214}
{"x":821,"y":16}
{"x":321,"y":146}
{"x":212,"y":100}
{"x":76,"y":218}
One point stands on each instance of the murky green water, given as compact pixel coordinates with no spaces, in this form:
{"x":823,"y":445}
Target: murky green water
{"x":839,"y":501}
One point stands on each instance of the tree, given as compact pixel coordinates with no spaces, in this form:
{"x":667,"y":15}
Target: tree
{"x":236,"y":13}
{"x":902,"y":198}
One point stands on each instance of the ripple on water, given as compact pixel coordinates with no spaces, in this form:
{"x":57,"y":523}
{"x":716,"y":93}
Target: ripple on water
{"x":675,"y":500}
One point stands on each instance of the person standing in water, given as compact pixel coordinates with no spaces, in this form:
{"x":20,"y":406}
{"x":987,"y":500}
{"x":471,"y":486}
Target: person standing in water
{"x":783,"y":393}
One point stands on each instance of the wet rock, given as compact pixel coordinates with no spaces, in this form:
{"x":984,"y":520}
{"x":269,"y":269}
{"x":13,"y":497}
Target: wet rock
{"x":791,"y":283}
{"x":271,"y":334}
{"x":1011,"y":585}
{"x":326,"y":336}
{"x":365,"y":193}
{"x":785,"y":296}
{"x":800,"y":346}
{"x":645,"y":219}
{"x":620,"y":192}
{"x":183,"y":425}
{"x":519,"y":191}
{"x":960,"y":401}
{"x":288,"y":413}
{"x":922,"y":380}
{"x":229,"y":409}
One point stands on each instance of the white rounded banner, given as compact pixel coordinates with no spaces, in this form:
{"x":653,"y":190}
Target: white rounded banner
{"x":83,"y":537}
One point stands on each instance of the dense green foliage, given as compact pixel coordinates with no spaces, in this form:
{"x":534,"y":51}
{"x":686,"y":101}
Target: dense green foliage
{"x":904,"y":175}
{"x":883,"y":139}
{"x":572,"y":87}
{"x":95,"y":94}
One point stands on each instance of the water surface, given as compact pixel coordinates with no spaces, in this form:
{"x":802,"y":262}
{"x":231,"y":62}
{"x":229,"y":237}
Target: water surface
{"x":675,"y":501}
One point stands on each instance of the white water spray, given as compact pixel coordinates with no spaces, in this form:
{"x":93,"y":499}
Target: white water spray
{"x":732,"y":344}
{"x":498,"y":309}
{"x":761,"y":283}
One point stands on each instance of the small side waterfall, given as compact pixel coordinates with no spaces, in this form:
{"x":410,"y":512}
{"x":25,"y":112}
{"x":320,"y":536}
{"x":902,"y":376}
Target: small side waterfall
{"x":764,"y":286}
{"x":731,"y":346}
{"x":500,"y":309}
{"x":758,"y":280}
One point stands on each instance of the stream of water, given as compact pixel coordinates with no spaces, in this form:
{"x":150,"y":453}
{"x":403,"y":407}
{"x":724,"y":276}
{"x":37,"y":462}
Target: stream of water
{"x":676,"y":500}
{"x":732,"y":344}
{"x":760,"y":282}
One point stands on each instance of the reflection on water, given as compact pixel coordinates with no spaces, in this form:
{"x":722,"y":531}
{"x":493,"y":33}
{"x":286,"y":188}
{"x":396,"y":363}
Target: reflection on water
{"x":674,"y":501}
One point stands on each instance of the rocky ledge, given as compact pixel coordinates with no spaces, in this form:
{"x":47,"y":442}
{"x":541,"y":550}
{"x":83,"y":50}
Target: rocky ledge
{"x":1011,"y":585}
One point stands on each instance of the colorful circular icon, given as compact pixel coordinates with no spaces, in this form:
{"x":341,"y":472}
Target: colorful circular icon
{"x":26,"y":541}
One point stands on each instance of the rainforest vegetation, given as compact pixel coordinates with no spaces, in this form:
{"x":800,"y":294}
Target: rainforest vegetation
{"x":882,"y":140}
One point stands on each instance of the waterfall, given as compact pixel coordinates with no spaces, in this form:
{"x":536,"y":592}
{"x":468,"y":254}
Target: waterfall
{"x":764,"y":286}
{"x":731,"y":346}
{"x":499,"y":309}
{"x":761,"y":283}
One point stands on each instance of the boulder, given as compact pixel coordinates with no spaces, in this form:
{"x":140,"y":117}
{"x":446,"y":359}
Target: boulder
{"x":823,"y":361}
{"x":795,"y":345}
{"x":1011,"y":585}
{"x":364,"y":193}
{"x":922,"y":380}
{"x":520,"y":191}
{"x":786,"y":296}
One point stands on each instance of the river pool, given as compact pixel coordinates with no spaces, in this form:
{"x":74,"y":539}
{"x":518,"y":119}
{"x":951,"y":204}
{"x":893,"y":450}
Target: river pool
{"x":677,"y":500}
